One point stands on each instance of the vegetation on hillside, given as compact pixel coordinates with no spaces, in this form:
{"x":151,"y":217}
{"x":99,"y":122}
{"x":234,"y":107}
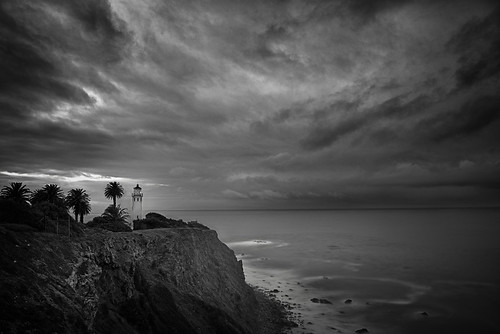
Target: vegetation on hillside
{"x":50,"y":193}
{"x":155,"y":220}
{"x":41,"y":210}
{"x":113,"y":219}
{"x":47,"y":209}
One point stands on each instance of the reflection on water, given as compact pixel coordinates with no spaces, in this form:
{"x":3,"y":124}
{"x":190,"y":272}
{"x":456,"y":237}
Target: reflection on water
{"x":403,"y":271}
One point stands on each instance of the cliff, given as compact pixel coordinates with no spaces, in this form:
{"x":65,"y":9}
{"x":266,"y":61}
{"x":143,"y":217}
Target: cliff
{"x":150,"y":281}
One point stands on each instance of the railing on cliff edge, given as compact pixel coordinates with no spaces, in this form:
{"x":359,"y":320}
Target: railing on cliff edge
{"x":62,"y":226}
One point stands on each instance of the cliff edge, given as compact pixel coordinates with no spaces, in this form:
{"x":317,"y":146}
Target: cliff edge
{"x":180,"y":280}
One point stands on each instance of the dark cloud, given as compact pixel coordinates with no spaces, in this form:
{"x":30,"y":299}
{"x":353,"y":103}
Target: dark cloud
{"x":97,"y":18}
{"x":477,"y":44}
{"x":313,"y":103}
{"x":270,"y":42}
{"x":54,"y":145}
{"x":322,"y":137}
{"x":491,"y":181}
{"x":367,"y":10}
{"x":49,"y":52}
{"x":38,"y":50}
{"x":474,"y":116}
{"x":323,"y":134}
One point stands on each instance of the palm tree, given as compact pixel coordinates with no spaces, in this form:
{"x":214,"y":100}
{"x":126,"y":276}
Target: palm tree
{"x":38,"y":196}
{"x":49,"y":193}
{"x":54,"y":193}
{"x":79,"y":201}
{"x":113,"y":190}
{"x":115,"y":214}
{"x":17,"y":192}
{"x":85,"y":209}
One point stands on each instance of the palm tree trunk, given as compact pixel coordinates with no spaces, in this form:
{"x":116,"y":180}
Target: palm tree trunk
{"x":114,"y":201}
{"x":81,"y":218}
{"x":76,"y":216}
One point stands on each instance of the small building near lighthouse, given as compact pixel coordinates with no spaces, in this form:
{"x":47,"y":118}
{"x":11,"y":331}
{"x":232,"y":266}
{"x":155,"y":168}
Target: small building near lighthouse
{"x":136,"y":203}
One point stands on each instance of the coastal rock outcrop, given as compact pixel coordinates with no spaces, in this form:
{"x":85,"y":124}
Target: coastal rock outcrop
{"x":181,"y":280}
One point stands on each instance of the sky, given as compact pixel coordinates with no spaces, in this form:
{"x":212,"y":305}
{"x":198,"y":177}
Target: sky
{"x":254,"y":104}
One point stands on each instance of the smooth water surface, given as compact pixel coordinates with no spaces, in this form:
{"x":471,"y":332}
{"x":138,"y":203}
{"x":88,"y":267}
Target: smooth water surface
{"x":400,"y":271}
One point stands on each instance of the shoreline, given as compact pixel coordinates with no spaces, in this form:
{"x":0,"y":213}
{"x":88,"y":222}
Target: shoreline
{"x":296,"y":298}
{"x":321,"y":301}
{"x":273,"y":316}
{"x":313,"y":302}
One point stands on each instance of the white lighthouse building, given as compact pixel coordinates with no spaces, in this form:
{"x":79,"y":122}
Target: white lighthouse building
{"x":137,"y":203}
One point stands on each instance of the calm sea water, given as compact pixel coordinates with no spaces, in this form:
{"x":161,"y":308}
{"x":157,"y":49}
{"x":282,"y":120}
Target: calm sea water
{"x":389,"y":271}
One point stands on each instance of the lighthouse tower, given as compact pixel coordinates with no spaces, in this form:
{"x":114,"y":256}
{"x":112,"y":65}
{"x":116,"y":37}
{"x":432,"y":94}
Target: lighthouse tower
{"x":137,"y":203}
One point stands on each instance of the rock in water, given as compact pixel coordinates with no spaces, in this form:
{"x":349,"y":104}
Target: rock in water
{"x":321,"y":301}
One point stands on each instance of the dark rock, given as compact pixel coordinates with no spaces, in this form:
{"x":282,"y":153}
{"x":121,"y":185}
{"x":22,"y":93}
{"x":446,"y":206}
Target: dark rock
{"x":425,"y":314}
{"x":348,"y":301}
{"x":105,"y":282}
{"x":321,"y":301}
{"x":361,"y":331}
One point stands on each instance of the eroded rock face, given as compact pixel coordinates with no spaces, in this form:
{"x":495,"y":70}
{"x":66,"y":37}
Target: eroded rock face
{"x":149,"y":281}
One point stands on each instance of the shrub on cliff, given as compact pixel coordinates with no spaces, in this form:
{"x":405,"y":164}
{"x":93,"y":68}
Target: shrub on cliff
{"x":157,"y":216}
{"x":44,"y":210}
{"x":149,"y":223}
{"x":43,"y":216}
{"x":156,"y":220}
{"x":115,"y":214}
{"x":55,"y":218}
{"x":113,"y":226}
{"x":51,"y":211}
{"x":113,"y":219}
{"x":16,"y":212}
{"x":195,"y":224}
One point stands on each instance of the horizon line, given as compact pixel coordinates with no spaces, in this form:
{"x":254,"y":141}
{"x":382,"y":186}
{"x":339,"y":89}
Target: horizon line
{"x":342,"y":209}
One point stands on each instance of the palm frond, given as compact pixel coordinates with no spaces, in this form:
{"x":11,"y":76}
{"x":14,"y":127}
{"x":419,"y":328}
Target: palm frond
{"x":16,"y":191}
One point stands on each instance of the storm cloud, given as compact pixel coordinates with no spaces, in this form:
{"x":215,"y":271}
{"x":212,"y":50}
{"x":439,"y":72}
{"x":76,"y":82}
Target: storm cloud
{"x":254,"y":104}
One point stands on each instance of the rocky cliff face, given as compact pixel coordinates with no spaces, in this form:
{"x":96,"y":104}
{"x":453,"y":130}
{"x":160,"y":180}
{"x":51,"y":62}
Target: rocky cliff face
{"x":149,"y":281}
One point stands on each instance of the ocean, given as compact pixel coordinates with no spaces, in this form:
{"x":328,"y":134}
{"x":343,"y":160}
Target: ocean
{"x":386,"y":271}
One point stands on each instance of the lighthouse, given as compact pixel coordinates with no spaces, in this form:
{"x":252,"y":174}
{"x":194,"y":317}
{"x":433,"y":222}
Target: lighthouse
{"x":137,"y":203}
